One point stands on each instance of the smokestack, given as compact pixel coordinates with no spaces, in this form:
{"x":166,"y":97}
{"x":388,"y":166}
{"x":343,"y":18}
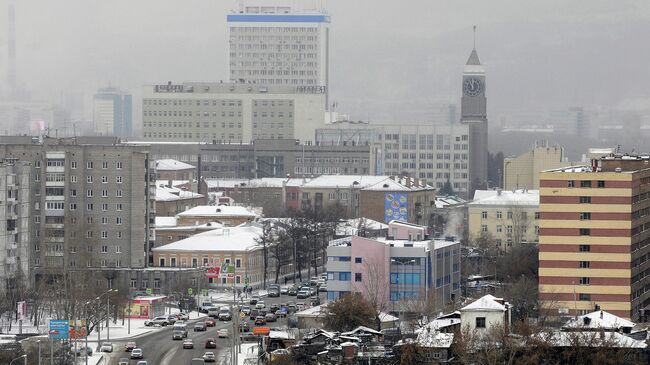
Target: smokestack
{"x":11,"y":69}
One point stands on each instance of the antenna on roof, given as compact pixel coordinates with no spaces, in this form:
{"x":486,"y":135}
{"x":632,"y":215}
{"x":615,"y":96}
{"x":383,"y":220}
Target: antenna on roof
{"x":474,"y":36}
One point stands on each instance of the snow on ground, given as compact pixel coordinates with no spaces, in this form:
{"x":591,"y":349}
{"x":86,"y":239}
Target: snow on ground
{"x":248,"y":351}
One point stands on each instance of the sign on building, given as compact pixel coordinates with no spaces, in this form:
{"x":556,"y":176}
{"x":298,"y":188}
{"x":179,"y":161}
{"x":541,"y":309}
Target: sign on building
{"x":395,"y":207}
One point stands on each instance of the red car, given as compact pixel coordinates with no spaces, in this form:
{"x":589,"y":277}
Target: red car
{"x":129,"y":346}
{"x":210,"y":322}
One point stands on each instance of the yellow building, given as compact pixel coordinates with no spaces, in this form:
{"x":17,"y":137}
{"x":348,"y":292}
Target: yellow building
{"x":523,"y":171}
{"x":507,"y":218}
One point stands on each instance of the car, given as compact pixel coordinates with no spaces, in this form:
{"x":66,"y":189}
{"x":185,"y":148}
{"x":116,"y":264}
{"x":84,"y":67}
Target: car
{"x":224,"y":314}
{"x":292,"y":291}
{"x":260,"y":320}
{"x":179,"y":335}
{"x":322,"y":288}
{"x":300,"y":306}
{"x":254,"y":299}
{"x":281,"y":313}
{"x":172,"y":319}
{"x":136,"y":354}
{"x":314,"y":301}
{"x":321,"y":281}
{"x":303,"y":294}
{"x":213,"y":312}
{"x":222,"y":333}
{"x":260,"y":304}
{"x":244,"y":326}
{"x":284,"y":290}
{"x":123,"y":361}
{"x":182,"y":316}
{"x":210,"y":343}
{"x":129,"y":346}
{"x":199,"y":327}
{"x":274,"y":307}
{"x":246,"y":309}
{"x":188,"y":344}
{"x":254,"y":314}
{"x":142,"y":362}
{"x":274,"y":290}
{"x":291,"y":306}
{"x":209,"y":357}
{"x":313,"y":281}
{"x":313,"y":291}
{"x":210,"y":322}
{"x":106,"y":347}
{"x":270,"y":317}
{"x":80,"y":351}
{"x":157,"y":321}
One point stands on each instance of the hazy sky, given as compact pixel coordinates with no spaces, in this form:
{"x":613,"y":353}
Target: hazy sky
{"x":391,"y":59}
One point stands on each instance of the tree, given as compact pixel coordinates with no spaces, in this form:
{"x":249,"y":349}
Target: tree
{"x":349,"y":312}
{"x":523,"y":294}
{"x":266,"y":240}
{"x":447,"y":189}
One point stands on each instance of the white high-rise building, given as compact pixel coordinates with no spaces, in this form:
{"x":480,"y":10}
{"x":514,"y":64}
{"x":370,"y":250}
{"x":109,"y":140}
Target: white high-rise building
{"x":280,"y":45}
{"x":112,"y":112}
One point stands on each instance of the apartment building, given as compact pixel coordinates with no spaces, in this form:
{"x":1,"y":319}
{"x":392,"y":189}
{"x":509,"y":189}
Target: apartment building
{"x":390,"y":272}
{"x":171,"y":200}
{"x":230,"y":112}
{"x":92,"y":202}
{"x":169,"y":169}
{"x":507,"y":218}
{"x":523,"y":171}
{"x":595,"y":237}
{"x":15,"y":224}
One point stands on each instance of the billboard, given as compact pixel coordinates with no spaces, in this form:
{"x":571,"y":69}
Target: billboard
{"x":77,"y":328}
{"x":59,"y":329}
{"x":212,"y":271}
{"x":21,"y":311}
{"x":395,"y":207}
{"x":227,"y":271}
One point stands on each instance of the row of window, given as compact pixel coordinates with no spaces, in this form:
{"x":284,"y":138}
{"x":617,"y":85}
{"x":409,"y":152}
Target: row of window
{"x":73,"y":164}
{"x":523,"y":229}
{"x":89,"y":263}
{"x":585,"y":183}
{"x":509,"y":215}
{"x":60,"y":177}
{"x":222,"y":102}
{"x":73,"y":206}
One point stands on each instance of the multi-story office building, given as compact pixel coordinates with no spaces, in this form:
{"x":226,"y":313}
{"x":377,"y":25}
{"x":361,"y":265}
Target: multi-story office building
{"x":113,"y":113}
{"x":231,"y":112}
{"x":523,"y":171}
{"x":279,"y":45}
{"x":266,"y":158}
{"x":92,"y":202}
{"x":389,"y":271}
{"x":14,"y":225}
{"x":504,"y":217}
{"x":594,"y":241}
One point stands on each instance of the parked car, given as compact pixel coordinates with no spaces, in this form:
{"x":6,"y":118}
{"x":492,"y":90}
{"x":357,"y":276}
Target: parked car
{"x":222,"y":333}
{"x":210,"y":343}
{"x":188,"y":344}
{"x":244,"y":326}
{"x":199,"y":327}
{"x":260,"y":320}
{"x":254,"y":299}
{"x":274,"y":290}
{"x":210,"y":322}
{"x":136,"y":354}
{"x":123,"y":361}
{"x":313,"y":281}
{"x":246,"y":309}
{"x":314,"y":301}
{"x":270,"y":317}
{"x":300,"y":306}
{"x":157,"y":321}
{"x":171,"y":319}
{"x":106,"y":347}
{"x":129,"y":346}
{"x":209,"y":357}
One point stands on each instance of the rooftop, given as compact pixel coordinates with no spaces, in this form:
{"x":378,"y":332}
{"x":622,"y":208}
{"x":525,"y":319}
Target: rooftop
{"x":240,"y":238}
{"x":486,"y":303}
{"x":172,"y":165}
{"x":599,"y":319}
{"x":523,"y":197}
{"x":165,"y":193}
{"x":350,"y":227}
{"x":220,"y":211}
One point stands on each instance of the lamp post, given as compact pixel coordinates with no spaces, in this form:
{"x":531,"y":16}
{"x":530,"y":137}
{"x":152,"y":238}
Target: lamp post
{"x":18,"y":358}
{"x":402,"y":264}
{"x":99,"y":327}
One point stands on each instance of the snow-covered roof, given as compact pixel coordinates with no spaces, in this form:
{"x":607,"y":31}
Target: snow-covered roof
{"x":350,"y":227}
{"x":433,"y":339}
{"x":361,"y":329}
{"x":172,"y":165}
{"x":165,"y":193}
{"x":406,"y":224}
{"x":313,"y":312}
{"x":398,"y":183}
{"x":162,"y":222}
{"x":220,"y":211}
{"x":599,"y":319}
{"x":240,"y":238}
{"x":284,"y":335}
{"x":590,"y":339}
{"x":385,"y":317}
{"x":520,"y":197}
{"x":192,"y":228}
{"x":344,"y":181}
{"x":445,"y":201}
{"x":224,"y":183}
{"x":438,"y":324}
{"x":486,"y":303}
{"x":273,"y":182}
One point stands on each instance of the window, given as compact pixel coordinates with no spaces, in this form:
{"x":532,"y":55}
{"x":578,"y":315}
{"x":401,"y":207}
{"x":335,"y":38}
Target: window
{"x":584,"y":264}
{"x":73,"y":206}
{"x":73,"y":164}
{"x":484,"y":228}
{"x":73,"y":178}
{"x":162,"y":262}
{"x":484,"y":215}
{"x":118,"y":179}
{"x":585,"y":248}
{"x":584,"y":296}
{"x":118,"y":165}
{"x":104,"y":165}
{"x":104,"y":179}
{"x":238,"y":263}
{"x":89,"y":165}
{"x":480,"y":322}
{"x":357,"y":277}
{"x":89,"y":206}
{"x":585,"y":200}
{"x":585,"y":183}
{"x":118,"y":249}
{"x":537,"y":215}
{"x":118,"y":220}
{"x":89,"y":193}
{"x":104,"y":193}
{"x":499,"y":228}
{"x":509,"y":229}
{"x":585,"y":231}
{"x":134,"y":283}
{"x":499,"y":215}
{"x":118,"y":193}
{"x":118,"y":207}
{"x":172,"y":262}
{"x":104,"y":249}
{"x":345,"y":276}
{"x":509,"y":215}
{"x":104,"y":234}
{"x":584,"y":281}
{"x":357,"y":260}
{"x":601,"y":183}
{"x":89,"y":179}
{"x":571,"y":184}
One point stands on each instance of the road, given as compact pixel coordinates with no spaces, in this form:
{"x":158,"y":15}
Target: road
{"x":159,"y":348}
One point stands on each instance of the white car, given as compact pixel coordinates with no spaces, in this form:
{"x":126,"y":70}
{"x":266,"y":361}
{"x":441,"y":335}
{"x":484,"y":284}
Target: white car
{"x":106,"y":347}
{"x":260,"y":305}
{"x":222,"y":333}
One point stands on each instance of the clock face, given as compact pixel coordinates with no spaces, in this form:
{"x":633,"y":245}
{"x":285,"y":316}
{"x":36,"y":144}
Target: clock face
{"x":472,"y":86}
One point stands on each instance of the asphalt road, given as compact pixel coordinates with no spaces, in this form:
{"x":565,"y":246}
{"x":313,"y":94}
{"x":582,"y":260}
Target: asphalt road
{"x":159,"y":349}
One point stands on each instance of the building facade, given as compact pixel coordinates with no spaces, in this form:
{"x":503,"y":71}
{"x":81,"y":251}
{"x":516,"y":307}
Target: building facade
{"x":92,"y":206}
{"x":113,"y":113}
{"x":230,"y":112}
{"x":15,"y":223}
{"x":594,"y":237}
{"x":522,"y":172}
{"x":506,"y":218}
{"x":278,"y":45}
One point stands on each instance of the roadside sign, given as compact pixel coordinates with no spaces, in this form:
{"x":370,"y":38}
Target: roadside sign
{"x":212,"y":272}
{"x":261,"y":330}
{"x":77,"y":329}
{"x":242,"y":315}
{"x":190,"y":291}
{"x":149,"y":291}
{"x":59,"y":329}
{"x":227,"y":271}
{"x":21,"y":311}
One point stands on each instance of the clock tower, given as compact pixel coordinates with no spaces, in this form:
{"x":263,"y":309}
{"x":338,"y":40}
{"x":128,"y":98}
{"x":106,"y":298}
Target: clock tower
{"x":473,"y":114}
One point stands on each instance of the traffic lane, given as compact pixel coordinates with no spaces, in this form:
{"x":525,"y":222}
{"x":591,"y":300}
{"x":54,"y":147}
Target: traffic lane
{"x":185,"y":356}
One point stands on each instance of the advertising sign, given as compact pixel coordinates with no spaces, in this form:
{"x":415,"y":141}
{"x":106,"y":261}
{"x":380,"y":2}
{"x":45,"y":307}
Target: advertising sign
{"x":78,"y":328}
{"x":227,"y":271}
{"x":59,"y":329}
{"x":212,"y":271}
{"x":21,"y":311}
{"x":395,"y":207}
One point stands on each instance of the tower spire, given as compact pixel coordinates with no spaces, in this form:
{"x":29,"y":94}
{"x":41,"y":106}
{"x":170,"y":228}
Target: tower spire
{"x":474,"y":37}
{"x":473,"y":57}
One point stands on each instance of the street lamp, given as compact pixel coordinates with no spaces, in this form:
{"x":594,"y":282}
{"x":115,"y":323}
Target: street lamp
{"x":99,"y":327}
{"x":18,"y":358}
{"x":403,"y":264}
